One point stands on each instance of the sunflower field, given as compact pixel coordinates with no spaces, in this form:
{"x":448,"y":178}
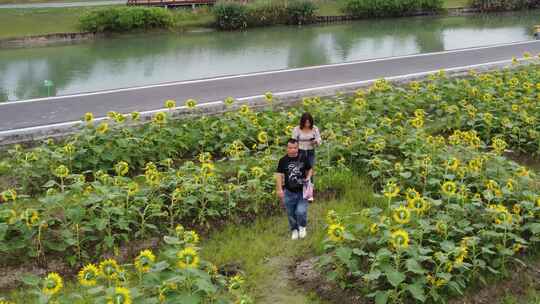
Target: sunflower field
{"x":456,"y":208}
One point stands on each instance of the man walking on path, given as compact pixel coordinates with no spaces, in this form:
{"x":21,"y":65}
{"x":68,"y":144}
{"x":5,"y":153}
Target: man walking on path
{"x":294,"y":171}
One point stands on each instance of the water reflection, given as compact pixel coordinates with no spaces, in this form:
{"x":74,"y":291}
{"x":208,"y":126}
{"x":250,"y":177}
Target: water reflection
{"x":140,"y":60}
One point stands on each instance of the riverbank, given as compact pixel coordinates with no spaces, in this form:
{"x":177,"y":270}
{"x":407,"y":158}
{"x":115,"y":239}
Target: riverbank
{"x":17,"y":23}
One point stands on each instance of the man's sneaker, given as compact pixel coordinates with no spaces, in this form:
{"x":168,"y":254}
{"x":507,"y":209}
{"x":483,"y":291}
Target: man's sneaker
{"x":294,"y":234}
{"x":302,"y":233}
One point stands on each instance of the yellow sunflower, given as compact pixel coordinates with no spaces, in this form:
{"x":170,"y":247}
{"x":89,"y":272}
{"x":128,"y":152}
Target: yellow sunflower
{"x":399,"y":239}
{"x":109,"y":269}
{"x":88,"y":275}
{"x":102,"y":128}
{"x":449,"y":188}
{"x":52,"y":284}
{"x":61,"y":171}
{"x":144,"y":261}
{"x":121,"y":295}
{"x":418,"y":204}
{"x":159,"y":118}
{"x":191,"y":237}
{"x":9,"y":195}
{"x":170,"y":104}
{"x":336,"y":233}
{"x":262,"y":137}
{"x":391,"y":190}
{"x":88,"y":117}
{"x":187,"y":258}
{"x":191,"y":103}
{"x":121,"y":168}
{"x":401,"y":215}
{"x":236,"y":282}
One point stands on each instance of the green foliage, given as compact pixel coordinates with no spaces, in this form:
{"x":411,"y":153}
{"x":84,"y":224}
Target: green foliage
{"x":232,"y":15}
{"x":120,"y":19}
{"x":384,"y":8}
{"x":503,"y":5}
{"x":301,"y":11}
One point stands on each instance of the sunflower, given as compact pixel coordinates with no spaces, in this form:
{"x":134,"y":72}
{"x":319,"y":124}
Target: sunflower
{"x":244,"y":110}
{"x":159,"y":118}
{"x":449,"y":188}
{"x":88,"y":275}
{"x":453,"y":164}
{"x":170,"y":104}
{"x":207,"y":169}
{"x":121,"y":168}
{"x":399,"y":239}
{"x":102,"y":128}
{"x":191,"y":237}
{"x":52,"y":284}
{"x":332,"y":217}
{"x":229,"y":101}
{"x":411,"y":193}
{"x":191,"y":103}
{"x":187,"y":258}
{"x":336,"y":233}
{"x":522,"y":171}
{"x":401,"y":215}
{"x":269,"y":96}
{"x":538,"y":202}
{"x":135,"y":116}
{"x":499,"y":145}
{"x":88,"y":117}
{"x":61,"y":171}
{"x":441,"y":227}
{"x":262,"y":137}
{"x":418,"y":204}
{"x":257,"y":172}
{"x":109,"y":269}
{"x":373,"y":228}
{"x":121,"y":295}
{"x":391,"y":190}
{"x":236,"y":282}
{"x":69,"y":149}
{"x":9,"y":195}
{"x":132,"y":188}
{"x":144,"y":261}
{"x":30,"y":216}
{"x":205,"y":157}
{"x":500,"y":214}
{"x":417,"y":122}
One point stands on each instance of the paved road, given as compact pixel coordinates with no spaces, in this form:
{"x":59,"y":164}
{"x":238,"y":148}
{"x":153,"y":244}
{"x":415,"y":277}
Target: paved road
{"x":64,"y":4}
{"x":53,"y":110}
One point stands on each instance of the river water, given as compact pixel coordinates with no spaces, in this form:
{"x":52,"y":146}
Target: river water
{"x":144,"y":59}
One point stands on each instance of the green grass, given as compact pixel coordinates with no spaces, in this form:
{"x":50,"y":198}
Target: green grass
{"x":456,"y":3}
{"x":40,"y":21}
{"x":263,"y":250}
{"x":41,"y":1}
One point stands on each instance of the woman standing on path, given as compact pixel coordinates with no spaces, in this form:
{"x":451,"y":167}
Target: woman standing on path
{"x":308,"y":137}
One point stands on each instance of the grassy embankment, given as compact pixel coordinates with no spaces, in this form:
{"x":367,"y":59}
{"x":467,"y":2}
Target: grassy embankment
{"x":22,"y":22}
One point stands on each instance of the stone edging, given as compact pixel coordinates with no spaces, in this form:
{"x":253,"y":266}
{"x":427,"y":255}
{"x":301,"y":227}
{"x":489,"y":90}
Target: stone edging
{"x":31,"y":135}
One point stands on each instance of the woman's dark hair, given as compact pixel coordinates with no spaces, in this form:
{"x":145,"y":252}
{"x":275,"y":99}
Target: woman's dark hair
{"x":305,"y":117}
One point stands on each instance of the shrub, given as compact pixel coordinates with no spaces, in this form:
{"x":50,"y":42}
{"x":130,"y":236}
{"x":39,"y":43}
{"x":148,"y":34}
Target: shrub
{"x":267,"y":12}
{"x":230,"y":15}
{"x":301,"y":12}
{"x":125,"y":19}
{"x":385,"y":8}
{"x":503,"y":5}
